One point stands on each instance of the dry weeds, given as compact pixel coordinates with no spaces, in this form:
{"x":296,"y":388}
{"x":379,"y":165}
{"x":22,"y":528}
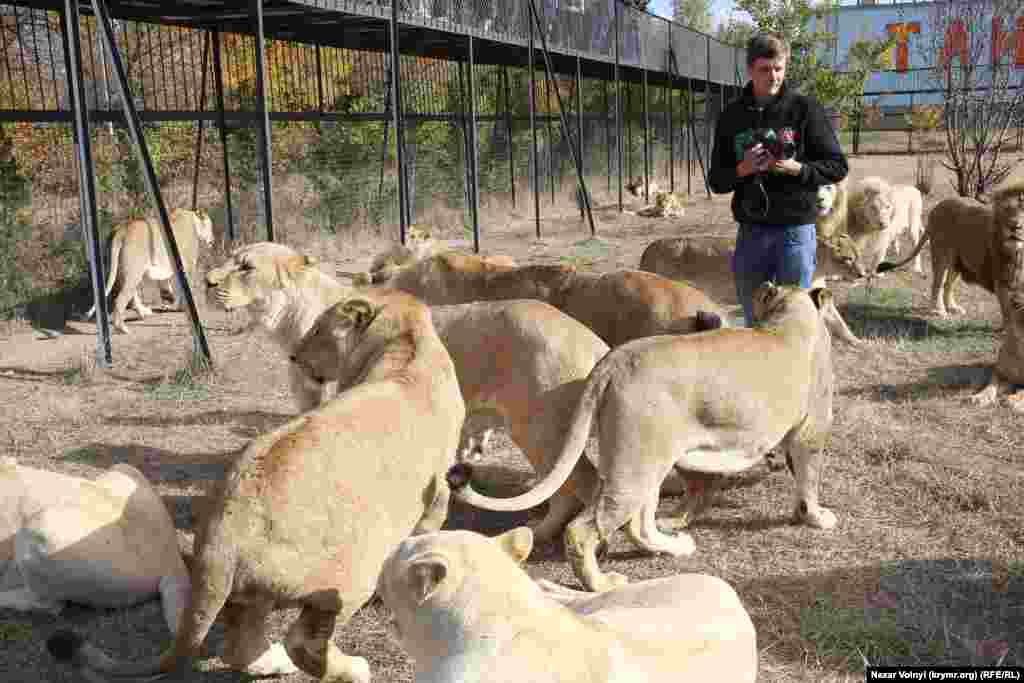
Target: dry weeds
{"x":924,"y":566}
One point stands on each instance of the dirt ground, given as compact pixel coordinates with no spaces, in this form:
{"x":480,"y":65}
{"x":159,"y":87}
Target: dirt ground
{"x":925,"y":566}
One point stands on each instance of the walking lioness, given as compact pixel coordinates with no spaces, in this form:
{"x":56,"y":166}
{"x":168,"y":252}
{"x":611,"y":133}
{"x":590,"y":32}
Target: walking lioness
{"x":308,"y":512}
{"x":712,"y":402}
{"x":137,"y":251}
{"x":467,"y":613}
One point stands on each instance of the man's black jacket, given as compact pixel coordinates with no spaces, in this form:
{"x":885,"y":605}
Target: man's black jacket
{"x":785,"y":199}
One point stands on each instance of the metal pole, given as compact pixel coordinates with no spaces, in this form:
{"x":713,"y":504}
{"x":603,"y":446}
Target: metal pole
{"x":707,"y":111}
{"x":86,"y":179}
{"x":508,"y":134}
{"x":689,"y":137}
{"x":397,"y":116}
{"x":608,"y":135}
{"x":474,"y":206}
{"x":579,"y":120}
{"x":551,"y":146}
{"x":669,"y":92}
{"x":384,"y":142}
{"x":319,"y":81}
{"x":566,"y":131}
{"x":218,"y":86}
{"x":618,"y":97}
{"x":261,"y":105}
{"x":533,"y":130}
{"x":199,"y":132}
{"x":647,"y":152}
{"x":135,"y":129}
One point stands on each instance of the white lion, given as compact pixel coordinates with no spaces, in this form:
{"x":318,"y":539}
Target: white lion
{"x":880,"y":215}
{"x":108,"y":542}
{"x":467,"y":613}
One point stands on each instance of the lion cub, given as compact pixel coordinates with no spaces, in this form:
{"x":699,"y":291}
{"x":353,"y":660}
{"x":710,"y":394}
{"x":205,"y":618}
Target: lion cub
{"x":418,"y":245}
{"x":467,"y":613}
{"x":713,"y":402}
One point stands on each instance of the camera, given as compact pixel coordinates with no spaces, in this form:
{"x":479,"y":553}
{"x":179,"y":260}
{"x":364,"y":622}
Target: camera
{"x":780,"y":144}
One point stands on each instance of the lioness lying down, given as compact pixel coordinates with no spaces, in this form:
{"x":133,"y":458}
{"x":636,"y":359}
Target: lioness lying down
{"x":108,"y":542}
{"x":307,"y":514}
{"x":617,"y":306}
{"x":467,"y":613}
{"x":713,"y":402}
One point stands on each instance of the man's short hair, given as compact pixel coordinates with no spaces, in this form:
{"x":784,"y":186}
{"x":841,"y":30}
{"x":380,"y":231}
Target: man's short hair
{"x":767,"y":46}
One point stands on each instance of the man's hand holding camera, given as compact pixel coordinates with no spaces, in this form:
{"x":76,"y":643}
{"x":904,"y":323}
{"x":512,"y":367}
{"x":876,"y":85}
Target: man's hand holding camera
{"x":758,"y":159}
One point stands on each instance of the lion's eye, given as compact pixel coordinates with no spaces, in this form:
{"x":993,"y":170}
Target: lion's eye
{"x":245,"y":267}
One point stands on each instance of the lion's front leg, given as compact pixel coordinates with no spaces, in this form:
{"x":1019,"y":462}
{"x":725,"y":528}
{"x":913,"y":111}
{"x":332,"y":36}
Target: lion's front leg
{"x":310,"y":645}
{"x":581,"y":543}
{"x":246,"y":646}
{"x":644,"y":532}
{"x":806,"y":459}
{"x":990,"y":393}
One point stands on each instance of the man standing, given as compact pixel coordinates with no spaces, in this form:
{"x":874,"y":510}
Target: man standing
{"x":773,"y":149}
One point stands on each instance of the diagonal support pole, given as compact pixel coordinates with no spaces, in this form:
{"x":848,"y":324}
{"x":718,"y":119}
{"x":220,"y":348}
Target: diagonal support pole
{"x":563,"y":121}
{"x":135,"y":129}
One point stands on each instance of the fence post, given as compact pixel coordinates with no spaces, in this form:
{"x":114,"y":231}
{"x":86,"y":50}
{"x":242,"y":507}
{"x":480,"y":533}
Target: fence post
{"x":218,"y":86}
{"x":199,"y":132}
{"x":508,"y":133}
{"x":261,"y":105}
{"x":398,"y":118}
{"x":618,"y":96}
{"x":72,"y":39}
{"x":533,"y":130}
{"x":474,"y":207}
{"x":669,"y":91}
{"x":647,"y":170}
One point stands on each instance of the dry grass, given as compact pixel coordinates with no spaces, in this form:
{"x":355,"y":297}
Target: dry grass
{"x":925,"y":566}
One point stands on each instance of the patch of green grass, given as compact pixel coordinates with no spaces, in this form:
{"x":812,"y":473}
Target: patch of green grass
{"x":86,"y":455}
{"x":886,"y":313}
{"x":846,"y":633}
{"x":190,"y":383}
{"x":14,"y":633}
{"x":587,"y":252}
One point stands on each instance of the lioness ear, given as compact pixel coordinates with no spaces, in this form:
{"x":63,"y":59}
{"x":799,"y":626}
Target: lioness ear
{"x":425,"y":575}
{"x":359,"y":312}
{"x":516,"y":543}
{"x":821,"y":297}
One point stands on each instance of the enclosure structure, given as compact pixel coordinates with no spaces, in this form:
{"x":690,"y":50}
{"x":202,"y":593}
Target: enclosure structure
{"x":372,"y":113}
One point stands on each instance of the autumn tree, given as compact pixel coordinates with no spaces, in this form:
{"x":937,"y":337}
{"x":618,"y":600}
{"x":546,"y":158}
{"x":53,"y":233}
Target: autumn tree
{"x":970,"y":43}
{"x":695,"y":14}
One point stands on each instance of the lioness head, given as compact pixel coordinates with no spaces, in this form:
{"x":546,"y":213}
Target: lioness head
{"x":772,"y":301}
{"x":256,"y":278}
{"x":446,"y":571}
{"x":323,"y":351}
{"x":826,"y":198}
{"x":872,"y":202}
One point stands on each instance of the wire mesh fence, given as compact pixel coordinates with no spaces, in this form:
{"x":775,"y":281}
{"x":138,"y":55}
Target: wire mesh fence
{"x":333,"y":158}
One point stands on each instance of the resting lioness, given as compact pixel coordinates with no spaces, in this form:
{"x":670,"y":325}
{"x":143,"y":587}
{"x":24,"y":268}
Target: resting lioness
{"x":617,"y":306}
{"x":307,"y":514}
{"x":467,"y":613}
{"x":707,"y":262}
{"x":713,"y":402}
{"x":137,"y":251}
{"x":108,"y":542}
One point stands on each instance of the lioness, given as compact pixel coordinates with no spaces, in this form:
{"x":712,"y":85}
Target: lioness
{"x":108,"y":542}
{"x":714,"y":402}
{"x":308,"y":512}
{"x":137,"y":251}
{"x":283,"y":292}
{"x":707,"y":262}
{"x":467,"y":613}
{"x":984,"y":245}
{"x":618,"y":306}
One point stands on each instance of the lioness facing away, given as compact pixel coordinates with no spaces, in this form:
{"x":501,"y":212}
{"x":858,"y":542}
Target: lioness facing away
{"x":137,"y":252}
{"x":712,"y":402}
{"x":308,"y":512}
{"x":107,"y":542}
{"x":618,"y":306}
{"x":467,"y":613}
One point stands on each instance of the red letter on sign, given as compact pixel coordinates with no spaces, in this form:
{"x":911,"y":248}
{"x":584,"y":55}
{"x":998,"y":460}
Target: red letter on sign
{"x":902,"y":32}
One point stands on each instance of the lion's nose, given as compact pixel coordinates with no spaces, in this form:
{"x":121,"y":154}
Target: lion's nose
{"x":294,"y":359}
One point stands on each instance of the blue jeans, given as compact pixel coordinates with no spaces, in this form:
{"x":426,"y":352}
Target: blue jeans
{"x":784,"y":254}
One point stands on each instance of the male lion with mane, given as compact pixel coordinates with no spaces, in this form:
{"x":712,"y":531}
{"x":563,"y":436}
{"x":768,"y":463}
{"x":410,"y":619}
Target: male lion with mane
{"x":307,"y":514}
{"x":137,"y":251}
{"x":713,"y":402}
{"x":618,"y":306}
{"x":467,"y":613}
{"x":983,"y":245}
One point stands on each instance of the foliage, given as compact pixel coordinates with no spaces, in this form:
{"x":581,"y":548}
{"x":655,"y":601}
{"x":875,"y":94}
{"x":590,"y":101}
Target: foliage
{"x":695,"y":14}
{"x":15,"y":193}
{"x":802,"y":23}
{"x":983,"y":94}
{"x":735,"y":31}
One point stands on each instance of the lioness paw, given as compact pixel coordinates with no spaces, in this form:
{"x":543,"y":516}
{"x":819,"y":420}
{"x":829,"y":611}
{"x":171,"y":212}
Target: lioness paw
{"x":817,"y":516}
{"x":274,"y":662}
